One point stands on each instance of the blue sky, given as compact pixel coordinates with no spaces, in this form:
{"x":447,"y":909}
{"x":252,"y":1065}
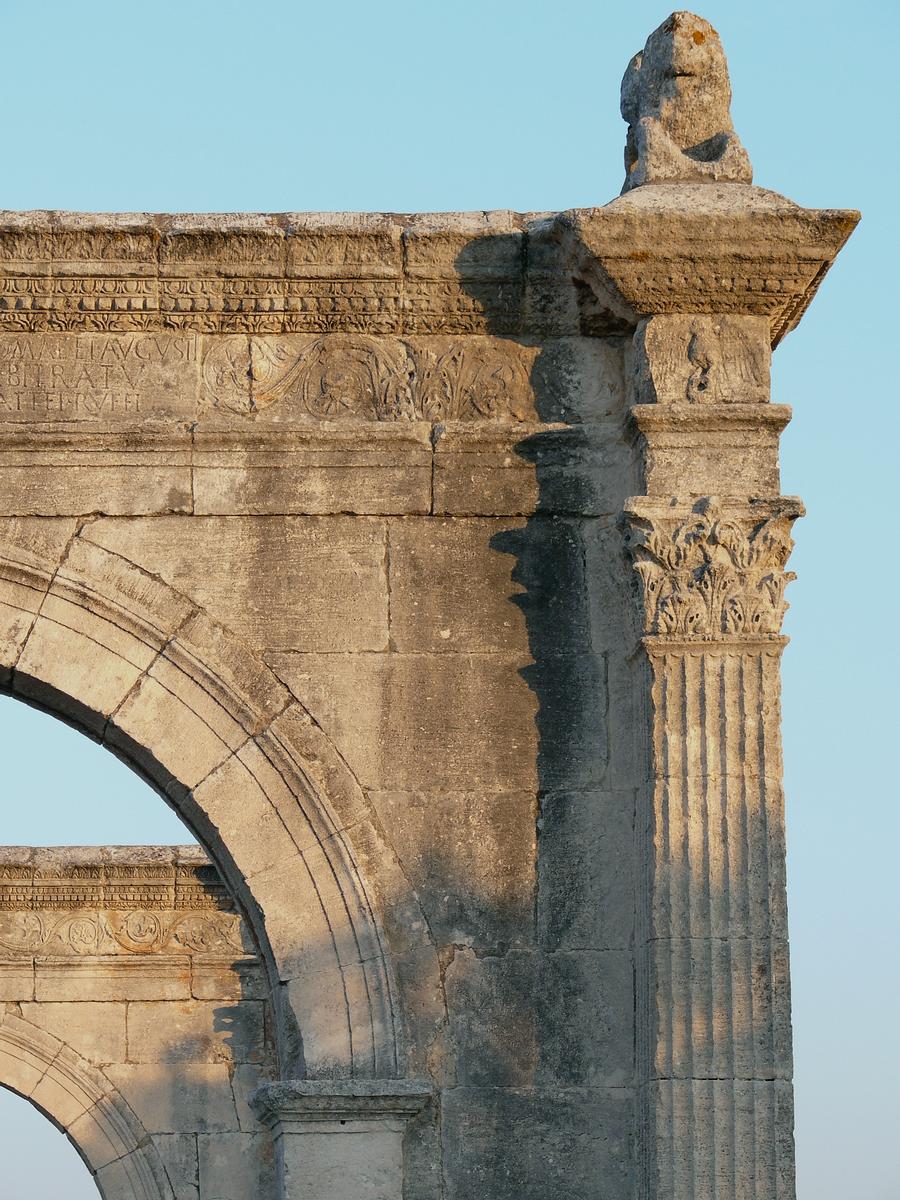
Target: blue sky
{"x":195,"y":105}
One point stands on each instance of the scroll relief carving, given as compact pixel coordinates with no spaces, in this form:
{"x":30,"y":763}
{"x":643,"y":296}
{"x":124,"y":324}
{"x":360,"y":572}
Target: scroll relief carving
{"x":139,"y":931}
{"x":370,"y":379}
{"x":89,"y":908}
{"x":710,"y":575}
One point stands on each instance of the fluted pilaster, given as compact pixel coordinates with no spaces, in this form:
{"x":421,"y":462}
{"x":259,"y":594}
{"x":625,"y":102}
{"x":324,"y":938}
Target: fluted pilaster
{"x":714,"y":1045}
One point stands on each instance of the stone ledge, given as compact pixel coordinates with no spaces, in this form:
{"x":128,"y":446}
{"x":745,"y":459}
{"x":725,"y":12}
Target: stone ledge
{"x":339,"y":1099}
{"x":723,"y":248}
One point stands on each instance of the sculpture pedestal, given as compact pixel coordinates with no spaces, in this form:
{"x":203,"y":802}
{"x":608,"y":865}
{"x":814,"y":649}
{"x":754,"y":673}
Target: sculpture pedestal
{"x":339,"y":1139}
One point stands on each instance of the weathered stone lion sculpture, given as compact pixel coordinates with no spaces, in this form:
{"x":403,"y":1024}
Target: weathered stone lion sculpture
{"x":676,"y":98}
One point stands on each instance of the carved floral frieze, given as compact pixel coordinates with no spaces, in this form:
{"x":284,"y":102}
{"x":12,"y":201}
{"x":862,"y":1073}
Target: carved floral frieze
{"x":138,"y":931}
{"x":56,"y":905}
{"x":712,"y":575}
{"x":376,"y":379}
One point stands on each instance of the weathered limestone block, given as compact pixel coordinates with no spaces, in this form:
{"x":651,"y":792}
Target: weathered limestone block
{"x":198,"y":1096}
{"x":535,"y":1019}
{"x":327,"y":470}
{"x":235,"y":1166}
{"x":471,"y":860}
{"x":101,"y":1040}
{"x":575,"y":1140}
{"x":337,"y":564}
{"x":700,"y":359}
{"x":586,"y":873}
{"x":199,"y":1031}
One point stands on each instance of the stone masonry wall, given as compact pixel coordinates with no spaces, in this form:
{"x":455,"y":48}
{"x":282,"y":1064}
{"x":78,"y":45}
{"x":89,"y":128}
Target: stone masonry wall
{"x":133,"y":1012}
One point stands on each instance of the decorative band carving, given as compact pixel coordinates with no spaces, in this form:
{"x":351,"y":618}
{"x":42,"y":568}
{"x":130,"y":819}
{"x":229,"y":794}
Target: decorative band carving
{"x":369,"y":378}
{"x":54,"y":904}
{"x":138,"y":931}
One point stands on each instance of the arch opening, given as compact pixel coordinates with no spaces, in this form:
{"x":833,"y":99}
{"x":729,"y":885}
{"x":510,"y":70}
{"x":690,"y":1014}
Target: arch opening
{"x":91,"y":638}
{"x":39,"y":1161}
{"x":82,"y":1103}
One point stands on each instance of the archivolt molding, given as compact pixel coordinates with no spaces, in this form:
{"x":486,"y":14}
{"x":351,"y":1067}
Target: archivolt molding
{"x":93,"y":638}
{"x":79,"y":1099}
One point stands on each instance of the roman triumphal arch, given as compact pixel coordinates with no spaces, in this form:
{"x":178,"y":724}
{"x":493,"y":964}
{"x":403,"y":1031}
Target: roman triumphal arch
{"x":433,"y":569}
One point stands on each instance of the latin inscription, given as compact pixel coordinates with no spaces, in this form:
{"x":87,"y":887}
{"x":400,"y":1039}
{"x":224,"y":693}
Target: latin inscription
{"x":89,"y":377}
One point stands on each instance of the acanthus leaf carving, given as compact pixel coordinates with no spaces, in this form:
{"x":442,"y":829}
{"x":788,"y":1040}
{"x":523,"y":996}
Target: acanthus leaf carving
{"x":708,"y":576}
{"x":375,"y":379}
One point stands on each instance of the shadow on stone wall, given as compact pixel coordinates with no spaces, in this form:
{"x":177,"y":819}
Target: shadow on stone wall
{"x":542,"y":1029}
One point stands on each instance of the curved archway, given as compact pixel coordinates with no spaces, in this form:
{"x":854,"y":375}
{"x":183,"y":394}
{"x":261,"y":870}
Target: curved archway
{"x":84,"y":1104}
{"x":137,"y":665}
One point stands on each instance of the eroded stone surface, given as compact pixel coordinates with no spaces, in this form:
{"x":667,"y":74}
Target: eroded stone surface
{"x":676,"y":98}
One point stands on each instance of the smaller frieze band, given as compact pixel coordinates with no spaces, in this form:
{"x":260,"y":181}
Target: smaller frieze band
{"x":711,"y":575}
{"x":63,"y":903}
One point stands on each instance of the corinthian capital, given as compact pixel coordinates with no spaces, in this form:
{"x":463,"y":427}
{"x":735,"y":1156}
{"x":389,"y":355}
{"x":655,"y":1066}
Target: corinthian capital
{"x":709,"y":574}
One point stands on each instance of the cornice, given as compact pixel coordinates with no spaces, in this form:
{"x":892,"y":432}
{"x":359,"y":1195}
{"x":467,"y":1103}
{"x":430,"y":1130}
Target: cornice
{"x":666,"y":248}
{"x":377,"y":273}
{"x":122,"y":877}
{"x":709,"y":418}
{"x":724,"y":248}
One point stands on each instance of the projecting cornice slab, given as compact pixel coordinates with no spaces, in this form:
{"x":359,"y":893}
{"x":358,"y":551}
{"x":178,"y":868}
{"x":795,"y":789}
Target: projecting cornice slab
{"x":725,"y":248}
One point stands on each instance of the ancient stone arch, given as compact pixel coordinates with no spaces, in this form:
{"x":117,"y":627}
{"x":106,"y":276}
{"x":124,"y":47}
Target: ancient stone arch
{"x":78,"y":1098}
{"x":433,"y":568}
{"x":99,"y":641}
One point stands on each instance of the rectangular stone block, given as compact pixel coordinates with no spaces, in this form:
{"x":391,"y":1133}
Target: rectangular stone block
{"x":97,"y":378}
{"x":471,"y":860}
{"x":227,"y":979}
{"x":196,"y":1031}
{"x":407,"y":722}
{"x":536,"y":1143}
{"x":727,"y":450}
{"x":453,"y":585}
{"x":16,"y":980}
{"x":326,"y":586}
{"x":95,"y":1031}
{"x":529,"y":1018}
{"x":234,"y":1166}
{"x":58,"y":473}
{"x":314,"y":470}
{"x":179,"y":1157}
{"x":493,"y":722}
{"x":507,"y":470}
{"x":112,"y":978}
{"x":586,"y":864}
{"x":197,"y":1096}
